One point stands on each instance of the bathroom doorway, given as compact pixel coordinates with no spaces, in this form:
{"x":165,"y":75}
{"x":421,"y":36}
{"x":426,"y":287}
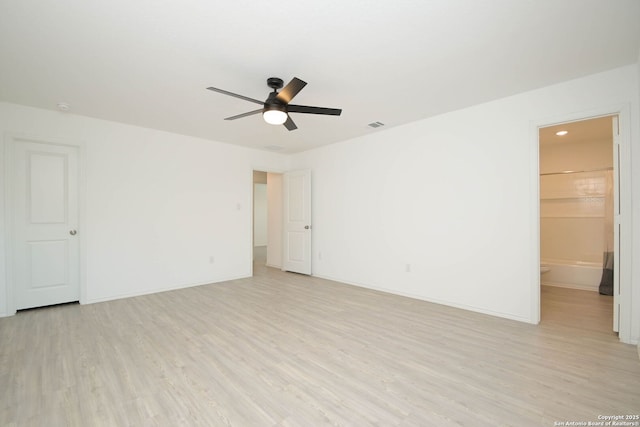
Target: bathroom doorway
{"x":578,"y":170}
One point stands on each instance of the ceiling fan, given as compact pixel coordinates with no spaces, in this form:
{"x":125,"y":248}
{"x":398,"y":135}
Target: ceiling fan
{"x":275,"y":110}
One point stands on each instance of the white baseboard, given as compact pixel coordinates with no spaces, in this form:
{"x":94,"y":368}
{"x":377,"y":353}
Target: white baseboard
{"x":279,"y":267}
{"x":434,"y":300}
{"x":165,"y":289}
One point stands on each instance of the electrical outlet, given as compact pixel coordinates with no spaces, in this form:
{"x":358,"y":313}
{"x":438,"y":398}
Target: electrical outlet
{"x":319,"y":256}
{"x":212,"y":260}
{"x":407,"y":268}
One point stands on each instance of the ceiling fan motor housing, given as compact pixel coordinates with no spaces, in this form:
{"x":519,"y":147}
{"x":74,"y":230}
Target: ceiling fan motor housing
{"x":273,"y":103}
{"x":275,"y":83}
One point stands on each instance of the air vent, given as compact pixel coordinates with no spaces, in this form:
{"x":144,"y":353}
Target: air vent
{"x":274,"y":148}
{"x":375,"y":124}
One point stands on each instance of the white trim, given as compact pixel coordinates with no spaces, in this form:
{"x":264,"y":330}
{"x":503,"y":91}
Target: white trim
{"x":8,"y":142}
{"x":626,"y":237}
{"x":82,"y":211}
{"x":534,"y":191}
{"x":279,"y":267}
{"x":431,"y":300}
{"x":8,"y":222}
{"x":625,"y":257}
{"x":165,"y":289}
{"x":251,"y":221}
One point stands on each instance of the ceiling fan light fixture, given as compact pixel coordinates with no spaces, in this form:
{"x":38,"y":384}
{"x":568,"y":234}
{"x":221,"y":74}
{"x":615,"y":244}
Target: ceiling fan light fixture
{"x":275,"y":110}
{"x":274,"y":115}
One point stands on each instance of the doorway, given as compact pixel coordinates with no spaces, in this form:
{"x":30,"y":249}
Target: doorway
{"x":267,"y":219}
{"x":578,"y":172}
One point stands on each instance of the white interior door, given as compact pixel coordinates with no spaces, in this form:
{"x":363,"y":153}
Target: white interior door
{"x":45,"y":253}
{"x":297,"y":222}
{"x":616,"y":223}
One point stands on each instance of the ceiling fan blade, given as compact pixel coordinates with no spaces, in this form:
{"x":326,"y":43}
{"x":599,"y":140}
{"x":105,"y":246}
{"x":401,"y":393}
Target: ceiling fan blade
{"x":291,"y":90}
{"x":239,"y":116}
{"x":289,"y":124}
{"x":314,"y":110}
{"x":235,"y":95}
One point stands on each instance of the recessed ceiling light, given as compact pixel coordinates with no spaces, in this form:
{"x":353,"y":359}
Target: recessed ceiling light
{"x":63,"y":106}
{"x":562,"y":132}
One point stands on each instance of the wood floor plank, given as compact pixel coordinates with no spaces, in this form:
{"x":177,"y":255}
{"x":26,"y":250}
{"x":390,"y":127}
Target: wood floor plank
{"x":283,"y":349}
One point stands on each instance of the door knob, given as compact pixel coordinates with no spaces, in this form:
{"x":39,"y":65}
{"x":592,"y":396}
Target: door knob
{"x":73,"y":232}
{"x":306,"y":227}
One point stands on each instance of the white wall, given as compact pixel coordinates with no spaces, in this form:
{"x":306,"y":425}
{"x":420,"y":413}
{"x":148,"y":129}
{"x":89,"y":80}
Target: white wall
{"x":157,"y":205}
{"x":259,"y":214}
{"x":274,"y":220}
{"x":451,"y":197}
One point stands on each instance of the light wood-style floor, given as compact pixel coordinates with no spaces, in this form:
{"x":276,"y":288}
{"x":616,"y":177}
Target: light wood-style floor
{"x":282,"y":349}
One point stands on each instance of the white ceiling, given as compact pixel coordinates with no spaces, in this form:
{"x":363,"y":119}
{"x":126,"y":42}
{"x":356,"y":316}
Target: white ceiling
{"x":148,"y":62}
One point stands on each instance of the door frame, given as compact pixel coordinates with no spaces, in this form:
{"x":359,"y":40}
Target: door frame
{"x":7,"y":148}
{"x":624,"y":191}
{"x":261,"y":169}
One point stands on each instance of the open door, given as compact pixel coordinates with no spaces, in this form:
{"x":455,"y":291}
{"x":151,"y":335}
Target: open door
{"x":297,"y":222}
{"x":616,"y":223}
